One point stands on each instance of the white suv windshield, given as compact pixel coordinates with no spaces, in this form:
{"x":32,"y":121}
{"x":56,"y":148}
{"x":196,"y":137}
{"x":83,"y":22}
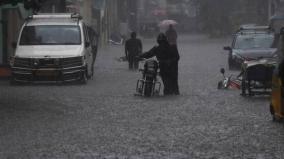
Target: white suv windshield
{"x":51,"y":35}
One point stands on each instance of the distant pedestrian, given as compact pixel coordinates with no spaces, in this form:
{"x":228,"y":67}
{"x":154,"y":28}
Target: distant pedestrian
{"x":133,"y":48}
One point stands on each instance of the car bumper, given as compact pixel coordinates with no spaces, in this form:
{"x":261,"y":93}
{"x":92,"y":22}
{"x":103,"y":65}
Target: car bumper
{"x":20,"y":74}
{"x":236,"y":63}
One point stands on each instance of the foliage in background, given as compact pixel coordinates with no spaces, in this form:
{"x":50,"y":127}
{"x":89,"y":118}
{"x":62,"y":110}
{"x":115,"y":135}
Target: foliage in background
{"x":222,"y":17}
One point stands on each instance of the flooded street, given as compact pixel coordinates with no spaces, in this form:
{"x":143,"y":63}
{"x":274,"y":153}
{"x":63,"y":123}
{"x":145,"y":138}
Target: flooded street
{"x":104,"y":119}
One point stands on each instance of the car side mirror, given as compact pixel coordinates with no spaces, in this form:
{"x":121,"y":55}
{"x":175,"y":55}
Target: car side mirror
{"x":87,"y":44}
{"x":222,"y":70}
{"x":228,"y":48}
{"x":14,"y":45}
{"x":282,"y":31}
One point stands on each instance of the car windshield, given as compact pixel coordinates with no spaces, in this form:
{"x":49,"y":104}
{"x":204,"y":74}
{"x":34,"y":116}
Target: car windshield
{"x":51,"y":35}
{"x":252,"y":41}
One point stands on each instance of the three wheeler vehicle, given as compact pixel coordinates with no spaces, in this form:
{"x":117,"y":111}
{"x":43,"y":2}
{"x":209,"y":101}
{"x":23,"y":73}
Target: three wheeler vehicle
{"x":277,"y":96}
{"x":257,"y":77}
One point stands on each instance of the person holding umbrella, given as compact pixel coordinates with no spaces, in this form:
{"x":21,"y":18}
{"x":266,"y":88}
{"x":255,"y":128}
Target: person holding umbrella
{"x":172,"y":39}
{"x":167,"y":58}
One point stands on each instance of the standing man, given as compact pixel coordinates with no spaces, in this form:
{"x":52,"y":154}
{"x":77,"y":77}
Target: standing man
{"x":94,"y":39}
{"x":133,"y":48}
{"x":172,"y":39}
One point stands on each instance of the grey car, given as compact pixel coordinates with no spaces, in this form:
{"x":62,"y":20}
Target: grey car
{"x":250,"y":45}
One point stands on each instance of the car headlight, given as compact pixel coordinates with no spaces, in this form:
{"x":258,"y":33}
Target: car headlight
{"x":12,"y":60}
{"x":237,"y":57}
{"x":84,"y":59}
{"x":275,"y":56}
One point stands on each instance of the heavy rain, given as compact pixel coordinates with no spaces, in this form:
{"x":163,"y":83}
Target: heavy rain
{"x":141,"y":79}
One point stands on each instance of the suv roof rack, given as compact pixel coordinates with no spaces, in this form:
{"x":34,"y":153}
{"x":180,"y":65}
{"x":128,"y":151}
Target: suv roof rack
{"x":253,"y":29}
{"x":56,"y":15}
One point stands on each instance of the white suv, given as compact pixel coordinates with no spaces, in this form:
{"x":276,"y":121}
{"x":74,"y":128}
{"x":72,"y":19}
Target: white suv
{"x":53,"y":47}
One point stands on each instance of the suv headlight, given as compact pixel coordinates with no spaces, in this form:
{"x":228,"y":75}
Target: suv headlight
{"x":12,"y":60}
{"x":275,"y":56}
{"x":84,"y":60}
{"x":237,"y":57}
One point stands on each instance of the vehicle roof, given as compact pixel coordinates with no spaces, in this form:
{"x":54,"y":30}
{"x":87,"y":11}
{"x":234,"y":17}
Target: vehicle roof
{"x":247,"y":32}
{"x":277,"y":17}
{"x":53,"y":19}
{"x":253,"y":29}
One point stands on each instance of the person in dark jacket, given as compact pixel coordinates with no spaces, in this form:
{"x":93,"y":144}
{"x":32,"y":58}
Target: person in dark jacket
{"x":133,"y":48}
{"x":172,"y":36}
{"x":167,"y":58}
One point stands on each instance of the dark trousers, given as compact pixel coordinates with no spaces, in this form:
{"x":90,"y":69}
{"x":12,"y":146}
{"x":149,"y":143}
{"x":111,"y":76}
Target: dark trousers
{"x":175,"y":87}
{"x":133,"y":62}
{"x":167,"y":84}
{"x":169,"y":75}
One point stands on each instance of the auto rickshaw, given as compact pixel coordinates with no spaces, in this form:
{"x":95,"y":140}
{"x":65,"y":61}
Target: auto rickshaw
{"x":277,"y":97}
{"x":257,"y":76}
{"x":277,"y":93}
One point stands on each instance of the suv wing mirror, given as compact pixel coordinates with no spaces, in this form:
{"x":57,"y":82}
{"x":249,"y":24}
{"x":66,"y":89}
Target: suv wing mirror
{"x":282,"y":31}
{"x":228,"y":48}
{"x":14,"y":45}
{"x":87,"y":44}
{"x":222,"y":70}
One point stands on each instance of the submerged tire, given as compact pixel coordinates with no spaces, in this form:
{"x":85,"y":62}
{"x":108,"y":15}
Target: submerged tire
{"x":230,"y":64}
{"x":274,"y":117}
{"x":148,"y":89}
{"x":13,"y":82}
{"x":220,"y":85}
{"x":244,"y":87}
{"x":84,"y":78}
{"x":272,"y":112}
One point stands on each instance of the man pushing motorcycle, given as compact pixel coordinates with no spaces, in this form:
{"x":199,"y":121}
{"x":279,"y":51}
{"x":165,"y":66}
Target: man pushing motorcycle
{"x":168,"y":58}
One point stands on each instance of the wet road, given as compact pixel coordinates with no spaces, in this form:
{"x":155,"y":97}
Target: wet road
{"x":103,"y":119}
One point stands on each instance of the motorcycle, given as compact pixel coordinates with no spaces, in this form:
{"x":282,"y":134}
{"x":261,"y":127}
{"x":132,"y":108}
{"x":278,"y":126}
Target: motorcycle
{"x":148,"y":85}
{"x":229,"y":82}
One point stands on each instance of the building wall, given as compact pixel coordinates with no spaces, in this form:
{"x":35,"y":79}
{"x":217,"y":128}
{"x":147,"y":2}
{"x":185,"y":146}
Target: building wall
{"x":11,"y":20}
{"x":53,"y":6}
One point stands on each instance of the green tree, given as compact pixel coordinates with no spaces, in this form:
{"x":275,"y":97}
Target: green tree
{"x":219,"y":17}
{"x":214,"y":16}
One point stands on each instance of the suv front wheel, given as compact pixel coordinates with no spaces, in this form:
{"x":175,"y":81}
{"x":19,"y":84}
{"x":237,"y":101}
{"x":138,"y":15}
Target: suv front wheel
{"x":84,"y":77}
{"x":231,"y":64}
